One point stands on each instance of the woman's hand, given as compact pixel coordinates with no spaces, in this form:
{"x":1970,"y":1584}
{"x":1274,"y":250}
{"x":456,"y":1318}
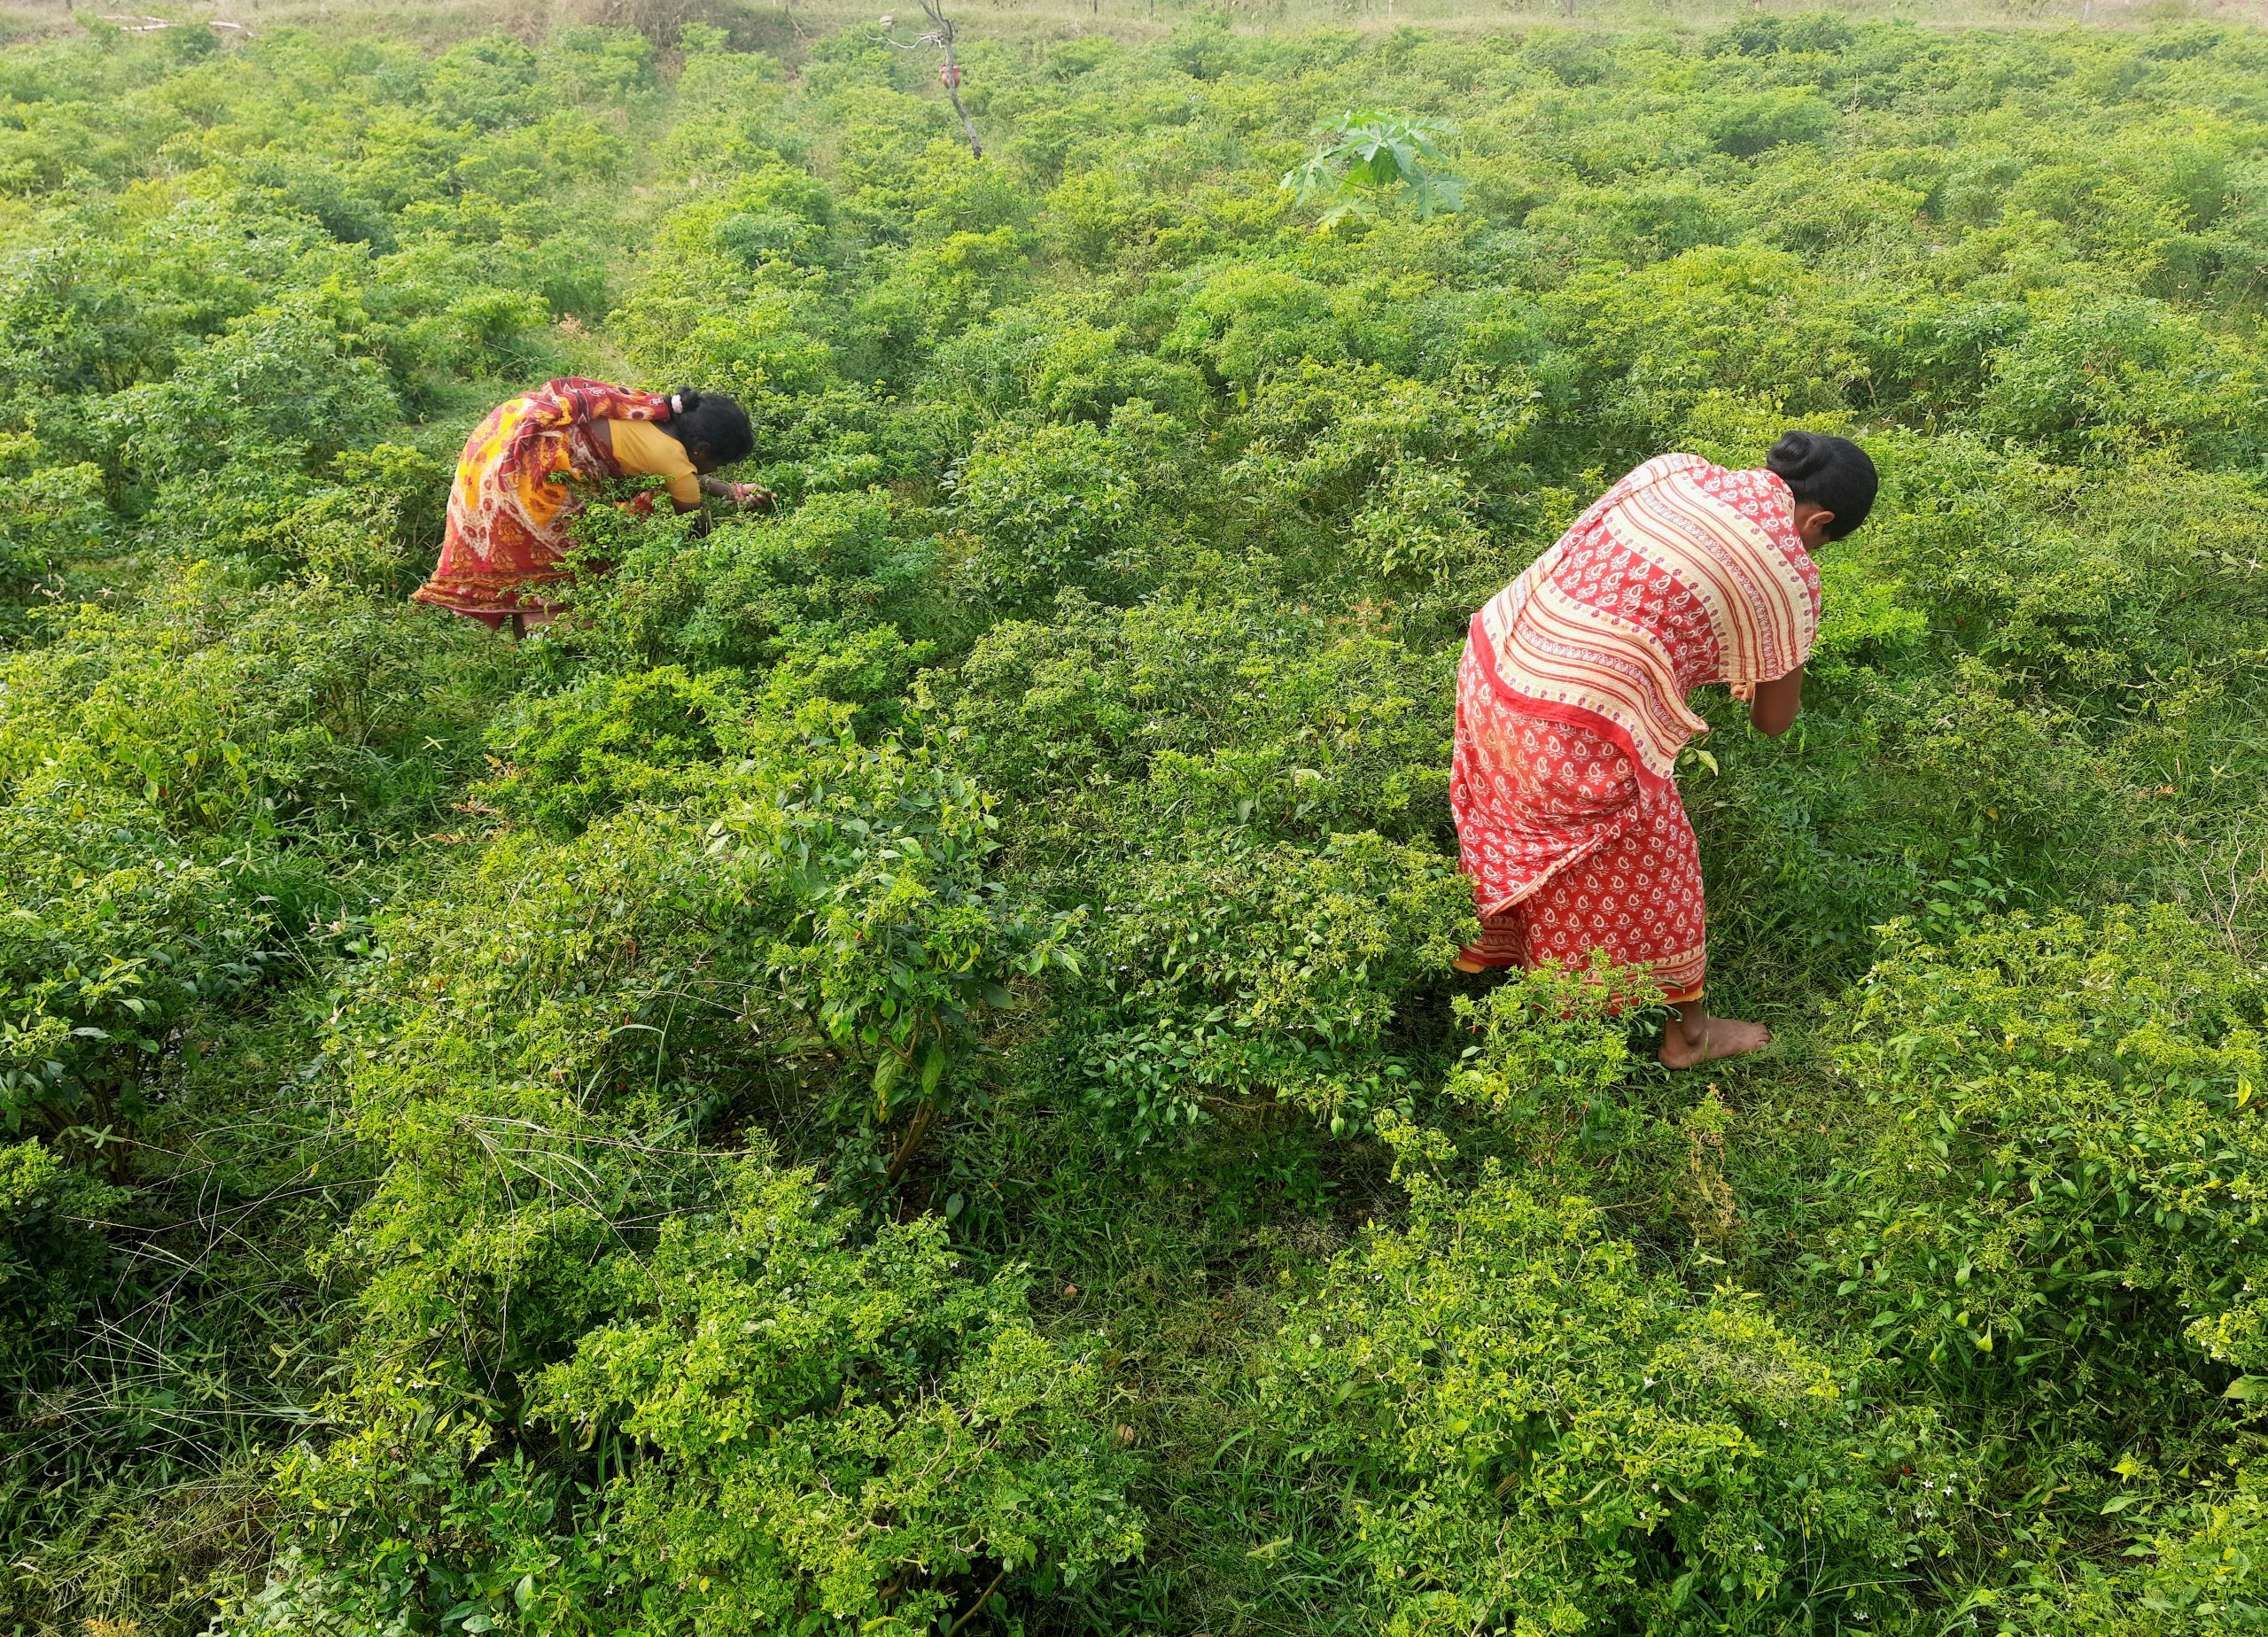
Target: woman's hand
{"x":1743,"y":692}
{"x":747,"y":496}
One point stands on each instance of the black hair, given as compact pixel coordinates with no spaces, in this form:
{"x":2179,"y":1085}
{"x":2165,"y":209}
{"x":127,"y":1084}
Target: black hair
{"x":711,"y":424}
{"x":1831,"y":473}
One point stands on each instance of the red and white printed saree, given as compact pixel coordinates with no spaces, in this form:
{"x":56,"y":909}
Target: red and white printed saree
{"x":1571,"y":712}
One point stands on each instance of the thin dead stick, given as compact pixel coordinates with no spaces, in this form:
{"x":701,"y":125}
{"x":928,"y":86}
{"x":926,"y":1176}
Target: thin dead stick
{"x":2227,"y":912}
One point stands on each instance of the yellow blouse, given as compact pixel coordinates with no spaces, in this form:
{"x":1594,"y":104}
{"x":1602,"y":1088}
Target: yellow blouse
{"x":642,"y":449}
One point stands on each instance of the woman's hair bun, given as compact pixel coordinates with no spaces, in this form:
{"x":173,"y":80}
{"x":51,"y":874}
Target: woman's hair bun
{"x":1829,"y":472}
{"x":684,"y":401}
{"x":1799,"y":454}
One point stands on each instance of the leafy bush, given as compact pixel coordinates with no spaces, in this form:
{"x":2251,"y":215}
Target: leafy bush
{"x":960,"y":1435}
{"x":2124,"y":372}
{"x":2054,"y":1209}
{"x":614,"y":741}
{"x":1060,"y":360}
{"x":281,"y":385}
{"x":1420,"y":526}
{"x":821,"y":903}
{"x":1746,"y":126}
{"x":1322,"y":437}
{"x":1230,"y":973}
{"x":1168,"y":716}
{"x":50,"y":1253}
{"x":1521,"y":1426}
{"x":830,"y":588}
{"x":52,"y":518}
{"x":829,"y":1435}
{"x":1046,"y":509}
{"x":375,"y":525}
{"x":238,"y":708}
{"x":112,"y":937}
{"x":1740,"y":319}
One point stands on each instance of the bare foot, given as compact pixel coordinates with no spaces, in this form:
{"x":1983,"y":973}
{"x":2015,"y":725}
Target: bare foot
{"x":1719,"y":1037}
{"x":1465,"y":963}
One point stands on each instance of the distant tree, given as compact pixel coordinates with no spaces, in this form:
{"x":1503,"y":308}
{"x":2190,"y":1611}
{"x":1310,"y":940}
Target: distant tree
{"x":940,"y":34}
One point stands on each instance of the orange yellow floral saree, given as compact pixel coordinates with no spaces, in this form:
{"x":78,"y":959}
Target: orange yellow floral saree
{"x":503,"y":549}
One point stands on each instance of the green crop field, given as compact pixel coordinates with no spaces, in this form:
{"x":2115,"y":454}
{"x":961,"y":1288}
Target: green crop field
{"x":898,"y":1072}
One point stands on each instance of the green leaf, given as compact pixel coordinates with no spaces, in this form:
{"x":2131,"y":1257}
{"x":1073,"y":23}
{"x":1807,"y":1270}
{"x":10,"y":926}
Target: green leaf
{"x":887,"y":1067}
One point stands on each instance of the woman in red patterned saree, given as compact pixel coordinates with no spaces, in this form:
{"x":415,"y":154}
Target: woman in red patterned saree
{"x":503,"y":554}
{"x":1571,"y":710}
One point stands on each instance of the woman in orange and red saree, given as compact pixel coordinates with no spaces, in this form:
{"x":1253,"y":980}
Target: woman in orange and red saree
{"x":1571,"y":710}
{"x":503,"y":552}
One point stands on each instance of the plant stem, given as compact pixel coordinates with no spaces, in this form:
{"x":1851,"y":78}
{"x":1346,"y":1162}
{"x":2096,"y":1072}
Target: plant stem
{"x":911,"y":1145}
{"x":982,"y":1597}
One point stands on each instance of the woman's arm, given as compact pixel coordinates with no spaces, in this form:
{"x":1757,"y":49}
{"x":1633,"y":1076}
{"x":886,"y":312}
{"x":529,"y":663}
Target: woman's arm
{"x":1772,"y":712}
{"x":744,"y":495}
{"x":739,"y":494}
